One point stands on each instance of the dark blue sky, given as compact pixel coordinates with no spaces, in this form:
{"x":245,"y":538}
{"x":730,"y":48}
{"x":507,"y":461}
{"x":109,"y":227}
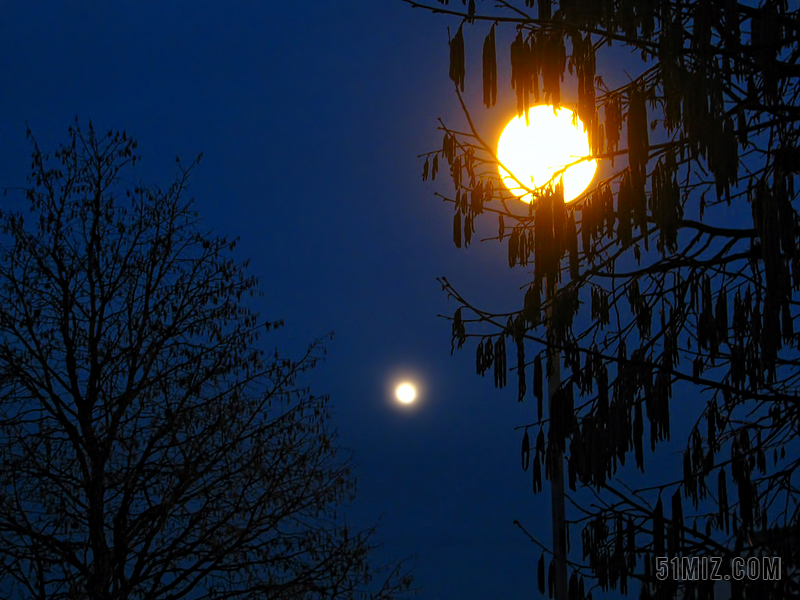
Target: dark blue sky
{"x":310,"y":116}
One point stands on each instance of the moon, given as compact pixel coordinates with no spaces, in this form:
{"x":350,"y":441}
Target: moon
{"x":536,"y":151}
{"x":406,"y":393}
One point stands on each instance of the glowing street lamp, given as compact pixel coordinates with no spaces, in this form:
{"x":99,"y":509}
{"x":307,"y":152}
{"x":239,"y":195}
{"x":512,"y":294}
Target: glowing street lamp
{"x":548,"y":148}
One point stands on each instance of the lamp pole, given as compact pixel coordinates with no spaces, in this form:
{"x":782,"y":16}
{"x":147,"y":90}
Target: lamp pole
{"x":557,"y":464}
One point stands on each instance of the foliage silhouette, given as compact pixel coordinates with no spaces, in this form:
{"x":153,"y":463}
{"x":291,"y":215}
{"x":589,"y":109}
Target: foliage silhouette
{"x":709,"y":125}
{"x":150,"y":448}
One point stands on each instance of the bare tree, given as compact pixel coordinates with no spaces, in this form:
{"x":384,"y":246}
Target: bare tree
{"x":150,"y":447}
{"x":679,"y":271}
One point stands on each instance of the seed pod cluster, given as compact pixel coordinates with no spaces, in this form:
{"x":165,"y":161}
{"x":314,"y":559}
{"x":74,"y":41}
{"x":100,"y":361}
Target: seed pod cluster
{"x":723,"y":516}
{"x":459,"y":331}
{"x":625,"y":209}
{"x":658,"y":528}
{"x":525,"y":66}
{"x":532,"y":304}
{"x":520,"y":245}
{"x":449,"y":147}
{"x":707,"y":335}
{"x":518,"y":329}
{"x":665,"y":203}
{"x":670,"y":58}
{"x":612,"y":126}
{"x":479,"y":195}
{"x":597,"y":218}
{"x":638,"y":155}
{"x":584,"y":60}
{"x":549,"y":242}
{"x":676,"y":533}
{"x":638,"y":435}
{"x":457,"y":68}
{"x":571,"y":242}
{"x":490,"y":69}
{"x":553,"y":64}
{"x":723,"y":157}
{"x":484,"y":355}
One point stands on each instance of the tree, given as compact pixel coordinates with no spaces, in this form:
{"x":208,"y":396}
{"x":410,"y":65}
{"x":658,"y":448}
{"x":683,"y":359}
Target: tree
{"x":710,"y":122}
{"x":150,"y":447}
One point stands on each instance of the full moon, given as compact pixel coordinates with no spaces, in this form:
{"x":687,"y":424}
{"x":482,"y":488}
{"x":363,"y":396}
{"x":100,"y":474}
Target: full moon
{"x":406,"y":393}
{"x":535,"y":152}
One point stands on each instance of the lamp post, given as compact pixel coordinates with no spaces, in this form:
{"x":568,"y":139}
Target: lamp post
{"x":534,"y":151}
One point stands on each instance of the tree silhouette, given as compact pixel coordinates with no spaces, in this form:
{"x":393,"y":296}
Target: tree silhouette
{"x":678,"y":272}
{"x":149,"y":447}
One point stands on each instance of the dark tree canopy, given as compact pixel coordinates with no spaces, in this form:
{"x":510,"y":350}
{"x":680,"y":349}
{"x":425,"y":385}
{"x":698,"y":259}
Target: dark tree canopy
{"x":678,"y":272}
{"x":150,"y":447}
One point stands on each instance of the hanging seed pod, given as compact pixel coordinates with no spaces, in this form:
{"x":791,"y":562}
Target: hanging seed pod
{"x":500,"y":375}
{"x":540,"y":572}
{"x":545,"y":12}
{"x":513,"y":247}
{"x":518,"y":70}
{"x":457,"y":229}
{"x":537,"y":383}
{"x":457,"y":70}
{"x":746,"y":501}
{"x":468,"y":228}
{"x":425,"y":168}
{"x":572,"y":245}
{"x":526,"y":451}
{"x":638,"y":435}
{"x":711,"y":418}
{"x":537,"y":473}
{"x":638,"y":141}
{"x":519,"y":339}
{"x":658,"y":529}
{"x":435,"y":166}
{"x":540,"y":443}
{"x":587,"y":227}
{"x":630,"y":535}
{"x":721,"y":316}
{"x":489,"y":69}
{"x":607,"y":204}
{"x":532,"y":306}
{"x":624,"y":209}
{"x":677,"y":515}
{"x":476,"y":198}
{"x":613,"y":124}
{"x":522,"y":247}
{"x":602,"y":392}
{"x":572,"y":586}
{"x":455,"y":172}
{"x":480,"y":367}
{"x":697,"y":367}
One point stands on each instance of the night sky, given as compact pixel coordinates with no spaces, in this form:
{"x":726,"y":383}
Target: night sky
{"x":310,"y":116}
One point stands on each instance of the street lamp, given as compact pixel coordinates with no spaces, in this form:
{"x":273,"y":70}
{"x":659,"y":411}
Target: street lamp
{"x":546,"y":148}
